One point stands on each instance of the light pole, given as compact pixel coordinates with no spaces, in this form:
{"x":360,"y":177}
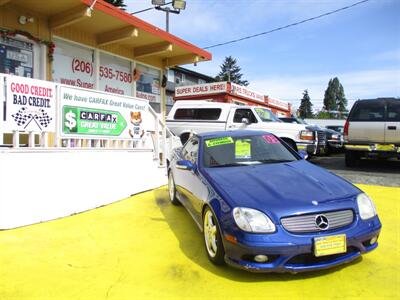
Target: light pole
{"x":178,"y":5}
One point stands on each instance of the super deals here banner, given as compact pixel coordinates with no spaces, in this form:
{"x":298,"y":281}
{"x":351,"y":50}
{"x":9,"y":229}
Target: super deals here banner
{"x":90,"y":114}
{"x":30,"y":105}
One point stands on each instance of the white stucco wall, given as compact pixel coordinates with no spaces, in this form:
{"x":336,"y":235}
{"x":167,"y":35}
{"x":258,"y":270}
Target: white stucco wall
{"x":43,"y":184}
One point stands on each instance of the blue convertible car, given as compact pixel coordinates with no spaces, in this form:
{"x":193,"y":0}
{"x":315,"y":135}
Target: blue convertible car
{"x":263,"y":208}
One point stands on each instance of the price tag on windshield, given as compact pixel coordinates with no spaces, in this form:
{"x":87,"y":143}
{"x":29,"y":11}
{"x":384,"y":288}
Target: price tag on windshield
{"x":270,"y":139}
{"x":243,"y":149}
{"x":219,"y":141}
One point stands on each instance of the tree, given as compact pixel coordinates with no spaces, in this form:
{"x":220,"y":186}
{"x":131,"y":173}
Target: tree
{"x":230,"y":71}
{"x":305,"y":109}
{"x":334,"y":98}
{"x":117,"y":3}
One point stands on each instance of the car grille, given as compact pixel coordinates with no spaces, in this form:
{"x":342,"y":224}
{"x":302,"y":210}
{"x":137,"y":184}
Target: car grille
{"x":306,"y":223}
{"x":321,"y":138}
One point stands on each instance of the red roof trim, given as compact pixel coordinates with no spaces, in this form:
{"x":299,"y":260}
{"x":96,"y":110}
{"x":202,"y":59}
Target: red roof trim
{"x":124,"y":16}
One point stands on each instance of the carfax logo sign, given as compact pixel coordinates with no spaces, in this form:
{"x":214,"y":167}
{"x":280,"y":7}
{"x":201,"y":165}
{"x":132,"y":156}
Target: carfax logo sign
{"x":81,"y":120}
{"x":91,"y":114}
{"x":30,"y":105}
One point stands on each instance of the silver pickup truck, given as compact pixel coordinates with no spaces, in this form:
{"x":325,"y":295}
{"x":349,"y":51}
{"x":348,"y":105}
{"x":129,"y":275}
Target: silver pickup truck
{"x":372,"y":129}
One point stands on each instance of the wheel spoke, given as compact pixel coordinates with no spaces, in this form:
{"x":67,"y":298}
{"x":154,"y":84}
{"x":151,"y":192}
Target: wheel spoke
{"x":214,"y":230}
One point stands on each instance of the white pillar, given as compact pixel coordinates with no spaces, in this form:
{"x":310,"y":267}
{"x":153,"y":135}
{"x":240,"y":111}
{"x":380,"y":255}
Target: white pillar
{"x":16,"y":139}
{"x":31,"y":139}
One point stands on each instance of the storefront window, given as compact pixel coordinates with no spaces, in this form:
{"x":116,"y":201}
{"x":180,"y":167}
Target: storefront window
{"x":115,"y":75}
{"x":148,"y":85}
{"x":16,"y":57}
{"x":73,"y":65}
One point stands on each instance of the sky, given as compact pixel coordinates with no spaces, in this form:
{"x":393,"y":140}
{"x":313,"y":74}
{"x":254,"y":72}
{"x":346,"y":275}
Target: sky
{"x":360,"y":46}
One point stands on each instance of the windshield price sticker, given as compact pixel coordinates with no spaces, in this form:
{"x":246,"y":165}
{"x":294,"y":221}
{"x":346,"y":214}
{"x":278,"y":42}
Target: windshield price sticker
{"x":219,"y":141}
{"x":242,"y":149}
{"x":270,"y":139}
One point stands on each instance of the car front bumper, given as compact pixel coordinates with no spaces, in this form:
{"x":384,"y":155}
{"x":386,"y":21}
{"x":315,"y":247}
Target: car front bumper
{"x":294,"y":252}
{"x":311,"y":149}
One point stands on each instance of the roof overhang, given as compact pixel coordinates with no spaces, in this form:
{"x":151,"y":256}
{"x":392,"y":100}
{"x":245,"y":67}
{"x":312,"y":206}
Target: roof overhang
{"x":109,"y":25}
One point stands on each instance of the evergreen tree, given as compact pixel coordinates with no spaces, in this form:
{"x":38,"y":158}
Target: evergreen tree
{"x":117,"y":3}
{"x":230,"y":71}
{"x":305,"y":109}
{"x":334,"y":98}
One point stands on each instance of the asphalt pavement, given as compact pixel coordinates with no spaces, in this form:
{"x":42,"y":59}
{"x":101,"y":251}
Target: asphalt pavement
{"x":372,"y":172}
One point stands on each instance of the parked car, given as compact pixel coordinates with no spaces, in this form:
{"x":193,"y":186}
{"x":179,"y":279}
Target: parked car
{"x":262,"y":208}
{"x":188,"y":117}
{"x":372,"y":129}
{"x":334,"y":139}
{"x":337,"y":128}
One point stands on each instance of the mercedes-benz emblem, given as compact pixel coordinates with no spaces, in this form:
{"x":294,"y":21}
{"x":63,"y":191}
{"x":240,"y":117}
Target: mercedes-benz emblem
{"x":322,"y":222}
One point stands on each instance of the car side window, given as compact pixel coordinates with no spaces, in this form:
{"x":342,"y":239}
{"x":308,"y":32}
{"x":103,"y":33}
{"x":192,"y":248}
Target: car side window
{"x":244,"y":113}
{"x":368,"y":111}
{"x":189,"y":152}
{"x":393,"y":111}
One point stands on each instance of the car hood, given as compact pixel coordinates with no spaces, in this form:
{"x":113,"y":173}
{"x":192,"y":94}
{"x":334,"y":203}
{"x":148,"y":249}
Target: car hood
{"x":282,"y":189}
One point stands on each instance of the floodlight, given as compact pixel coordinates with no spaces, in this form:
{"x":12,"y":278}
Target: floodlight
{"x":158,"y":2}
{"x":179,"y":4}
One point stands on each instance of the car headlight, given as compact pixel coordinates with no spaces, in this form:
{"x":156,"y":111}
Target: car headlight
{"x":252,"y":220}
{"x":335,"y":137}
{"x":307,"y":135}
{"x":365,"y":206}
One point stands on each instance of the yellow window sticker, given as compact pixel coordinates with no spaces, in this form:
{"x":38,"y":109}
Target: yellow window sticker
{"x":219,"y":141}
{"x":243,"y":149}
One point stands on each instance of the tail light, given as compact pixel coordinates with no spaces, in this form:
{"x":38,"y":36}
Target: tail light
{"x":346,"y":130}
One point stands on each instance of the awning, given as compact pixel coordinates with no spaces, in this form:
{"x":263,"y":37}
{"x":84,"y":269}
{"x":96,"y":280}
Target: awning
{"x":108,"y":27}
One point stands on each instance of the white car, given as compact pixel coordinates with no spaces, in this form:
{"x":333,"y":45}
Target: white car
{"x":187,"y":117}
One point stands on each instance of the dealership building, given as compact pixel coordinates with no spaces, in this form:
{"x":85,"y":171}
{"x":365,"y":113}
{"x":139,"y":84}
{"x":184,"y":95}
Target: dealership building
{"x":229,"y":92}
{"x":81,"y":88}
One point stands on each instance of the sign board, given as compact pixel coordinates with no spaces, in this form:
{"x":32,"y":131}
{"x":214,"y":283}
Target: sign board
{"x":73,"y":65}
{"x":30,"y":105}
{"x":201,"y":89}
{"x":278,"y":103}
{"x":115,"y":75}
{"x":148,"y":96}
{"x":90,"y":114}
{"x":244,"y":92}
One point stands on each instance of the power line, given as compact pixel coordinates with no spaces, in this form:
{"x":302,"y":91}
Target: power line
{"x":287,"y":26}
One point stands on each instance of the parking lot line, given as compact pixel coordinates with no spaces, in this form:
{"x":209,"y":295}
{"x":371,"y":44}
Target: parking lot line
{"x":145,"y":248}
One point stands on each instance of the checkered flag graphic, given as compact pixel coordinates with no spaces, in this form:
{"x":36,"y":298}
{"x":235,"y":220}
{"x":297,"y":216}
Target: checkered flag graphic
{"x":22,"y":116}
{"x":43,"y":118}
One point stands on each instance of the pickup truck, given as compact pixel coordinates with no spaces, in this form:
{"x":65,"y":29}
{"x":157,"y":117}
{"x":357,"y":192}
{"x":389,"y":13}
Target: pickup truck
{"x":372,"y":129}
{"x":195,"y":116}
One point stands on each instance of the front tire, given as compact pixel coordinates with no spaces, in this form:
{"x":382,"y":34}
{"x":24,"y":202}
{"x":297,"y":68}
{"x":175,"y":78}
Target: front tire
{"x":172,"y":189}
{"x":212,"y":238}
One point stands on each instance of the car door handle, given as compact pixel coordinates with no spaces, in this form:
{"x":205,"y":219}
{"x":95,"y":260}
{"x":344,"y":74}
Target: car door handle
{"x":392,"y":127}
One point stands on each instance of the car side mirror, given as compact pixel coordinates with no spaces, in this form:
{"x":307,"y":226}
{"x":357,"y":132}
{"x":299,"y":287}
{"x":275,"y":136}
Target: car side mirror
{"x":303,"y":154}
{"x":245,"y":121}
{"x":185,"y":165}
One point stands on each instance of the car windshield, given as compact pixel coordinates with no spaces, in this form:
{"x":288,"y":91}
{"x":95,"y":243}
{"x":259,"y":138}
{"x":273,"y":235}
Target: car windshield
{"x":266,"y":115}
{"x":245,"y":150}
